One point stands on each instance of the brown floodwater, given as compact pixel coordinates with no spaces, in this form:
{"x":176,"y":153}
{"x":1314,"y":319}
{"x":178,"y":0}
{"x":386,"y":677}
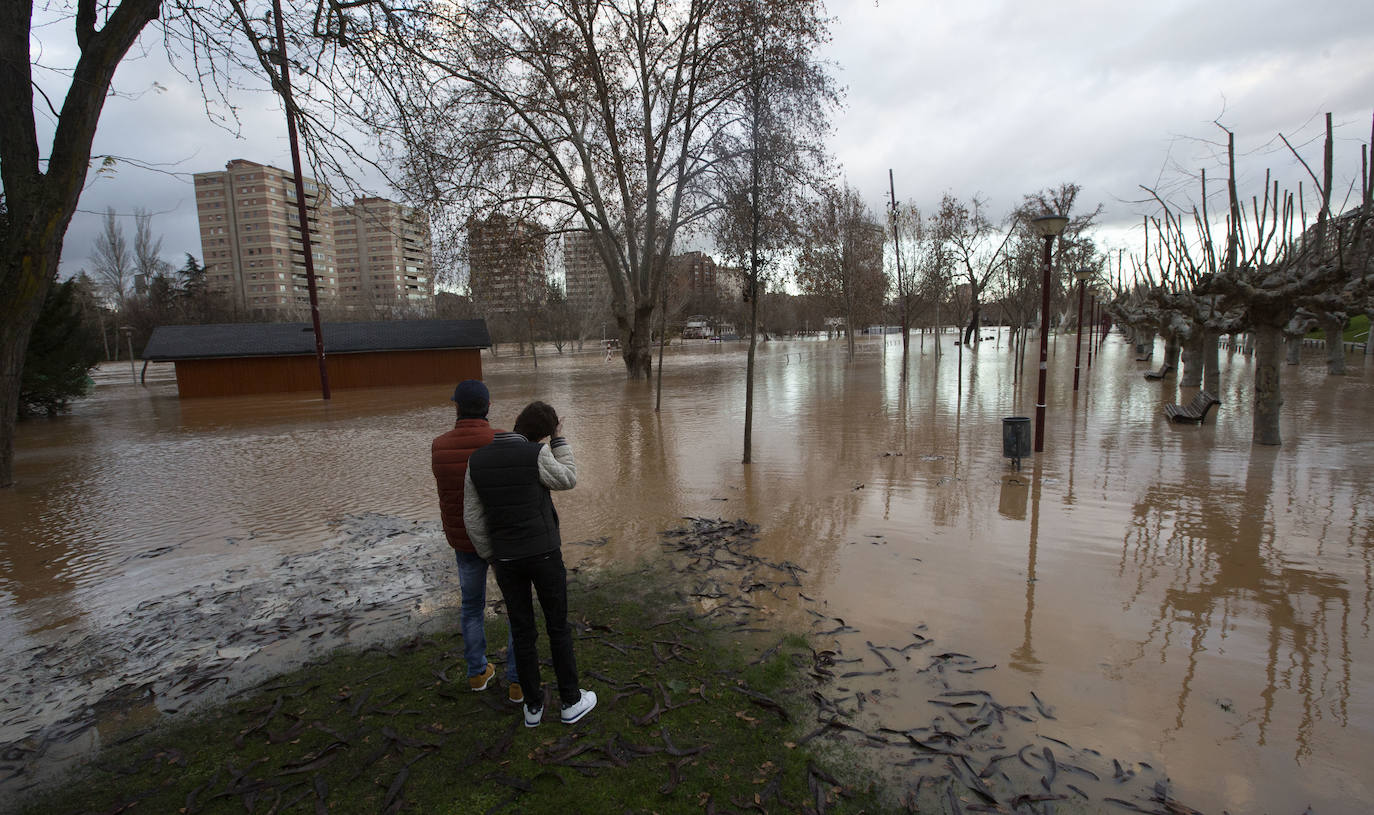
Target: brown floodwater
{"x":1180,"y":597}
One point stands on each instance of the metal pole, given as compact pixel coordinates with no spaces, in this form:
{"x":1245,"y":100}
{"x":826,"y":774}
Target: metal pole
{"x":1092,"y":334}
{"x":897,"y":257}
{"x":301,"y":209}
{"x":1044,"y":348}
{"x":129,"y":338}
{"x":1078,"y":337}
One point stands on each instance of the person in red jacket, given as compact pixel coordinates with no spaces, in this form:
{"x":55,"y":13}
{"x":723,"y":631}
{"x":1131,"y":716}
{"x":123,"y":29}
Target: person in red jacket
{"x":449,"y":458}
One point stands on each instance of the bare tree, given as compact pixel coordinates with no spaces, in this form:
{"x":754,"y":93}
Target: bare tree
{"x":597,"y":114}
{"x":841,"y":257}
{"x":978,"y":249}
{"x":112,"y":264}
{"x":775,"y":151}
{"x":43,"y":182}
{"x":1280,"y":266}
{"x":148,"y":263}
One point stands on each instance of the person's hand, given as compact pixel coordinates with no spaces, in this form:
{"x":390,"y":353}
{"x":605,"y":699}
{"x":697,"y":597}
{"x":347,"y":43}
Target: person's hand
{"x":558,"y":429}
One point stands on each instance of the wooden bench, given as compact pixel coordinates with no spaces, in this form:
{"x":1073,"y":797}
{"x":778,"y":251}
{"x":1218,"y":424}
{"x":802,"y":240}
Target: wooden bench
{"x":1164,"y":370}
{"x":1194,"y":411}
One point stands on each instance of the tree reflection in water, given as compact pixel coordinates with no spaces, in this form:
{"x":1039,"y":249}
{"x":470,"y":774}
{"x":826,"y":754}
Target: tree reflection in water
{"x":1216,"y":545}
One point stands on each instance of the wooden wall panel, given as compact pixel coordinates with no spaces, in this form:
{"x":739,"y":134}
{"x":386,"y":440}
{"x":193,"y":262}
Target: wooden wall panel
{"x":378,"y":369}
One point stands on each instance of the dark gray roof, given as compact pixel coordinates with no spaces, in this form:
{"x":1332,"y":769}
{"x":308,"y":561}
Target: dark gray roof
{"x":173,"y":342}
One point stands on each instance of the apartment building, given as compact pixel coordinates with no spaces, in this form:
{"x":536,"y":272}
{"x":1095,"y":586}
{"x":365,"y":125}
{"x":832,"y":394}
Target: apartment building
{"x":507,"y":263}
{"x":369,"y":254}
{"x":250,"y":236}
{"x":584,"y":273}
{"x":384,"y":255}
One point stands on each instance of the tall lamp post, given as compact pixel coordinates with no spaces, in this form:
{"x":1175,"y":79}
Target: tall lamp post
{"x":1082,"y":276}
{"x":1048,"y":227}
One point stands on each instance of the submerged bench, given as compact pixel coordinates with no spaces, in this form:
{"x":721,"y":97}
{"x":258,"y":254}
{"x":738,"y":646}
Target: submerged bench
{"x":1164,"y":370}
{"x":1194,"y":411}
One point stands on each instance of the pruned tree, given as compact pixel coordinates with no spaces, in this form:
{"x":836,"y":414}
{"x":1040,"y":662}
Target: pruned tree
{"x":841,"y":256}
{"x":1281,"y":265}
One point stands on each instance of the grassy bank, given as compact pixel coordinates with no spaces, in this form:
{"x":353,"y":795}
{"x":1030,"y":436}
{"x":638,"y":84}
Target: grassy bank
{"x":685,"y":723}
{"x":1356,"y":330}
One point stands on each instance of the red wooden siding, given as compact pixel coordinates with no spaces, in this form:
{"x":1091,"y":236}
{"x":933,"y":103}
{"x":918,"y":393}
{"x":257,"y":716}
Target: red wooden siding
{"x":376,"y":369}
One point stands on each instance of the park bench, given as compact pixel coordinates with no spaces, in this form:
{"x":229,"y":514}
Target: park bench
{"x":1164,"y":370}
{"x":1194,"y":411}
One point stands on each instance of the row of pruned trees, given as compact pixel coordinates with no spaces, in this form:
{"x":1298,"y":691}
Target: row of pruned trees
{"x":1273,"y":264}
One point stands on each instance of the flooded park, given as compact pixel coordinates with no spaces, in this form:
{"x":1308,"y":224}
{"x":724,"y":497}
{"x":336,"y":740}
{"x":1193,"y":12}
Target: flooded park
{"x":1166,"y":597}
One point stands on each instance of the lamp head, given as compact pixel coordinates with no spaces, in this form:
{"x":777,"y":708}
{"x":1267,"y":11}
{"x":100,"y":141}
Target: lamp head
{"x":1083,"y":275}
{"x":1048,"y":226}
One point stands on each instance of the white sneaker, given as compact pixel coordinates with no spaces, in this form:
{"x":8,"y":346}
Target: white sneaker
{"x":580,"y":708}
{"x":533,"y":716}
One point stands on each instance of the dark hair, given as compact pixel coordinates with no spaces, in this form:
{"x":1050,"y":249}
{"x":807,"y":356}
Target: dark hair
{"x":536,"y":421}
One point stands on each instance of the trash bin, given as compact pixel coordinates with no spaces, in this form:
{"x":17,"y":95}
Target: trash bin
{"x":1016,"y":439}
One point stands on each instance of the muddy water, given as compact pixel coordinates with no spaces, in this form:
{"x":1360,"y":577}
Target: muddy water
{"x":1179,"y":596}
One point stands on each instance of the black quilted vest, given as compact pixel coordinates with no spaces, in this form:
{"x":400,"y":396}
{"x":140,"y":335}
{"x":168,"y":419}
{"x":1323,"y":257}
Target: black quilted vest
{"x":521,"y":520}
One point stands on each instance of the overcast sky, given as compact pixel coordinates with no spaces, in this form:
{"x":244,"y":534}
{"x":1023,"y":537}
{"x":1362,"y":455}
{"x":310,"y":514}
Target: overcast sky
{"x":995,"y":98}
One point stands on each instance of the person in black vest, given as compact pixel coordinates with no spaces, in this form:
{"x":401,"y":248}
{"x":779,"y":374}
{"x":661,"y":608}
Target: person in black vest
{"x":510,"y":517}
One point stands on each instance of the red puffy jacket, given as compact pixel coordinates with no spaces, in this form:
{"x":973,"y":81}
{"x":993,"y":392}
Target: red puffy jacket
{"x":449,"y":457}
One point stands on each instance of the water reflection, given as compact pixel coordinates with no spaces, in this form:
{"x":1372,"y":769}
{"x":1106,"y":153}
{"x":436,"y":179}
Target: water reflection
{"x":1023,"y":658}
{"x":1221,"y":542}
{"x":1187,"y":599}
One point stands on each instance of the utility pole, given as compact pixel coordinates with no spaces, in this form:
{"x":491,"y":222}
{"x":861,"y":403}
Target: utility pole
{"x":284,"y":88}
{"x":897,"y":255}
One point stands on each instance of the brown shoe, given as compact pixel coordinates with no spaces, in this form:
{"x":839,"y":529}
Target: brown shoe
{"x":516,"y":696}
{"x":483,"y":679}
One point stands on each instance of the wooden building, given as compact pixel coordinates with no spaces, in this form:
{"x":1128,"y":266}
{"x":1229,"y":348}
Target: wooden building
{"x":237,"y":359}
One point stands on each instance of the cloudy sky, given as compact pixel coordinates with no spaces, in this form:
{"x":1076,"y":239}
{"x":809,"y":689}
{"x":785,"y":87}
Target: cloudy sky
{"x":998,"y":99}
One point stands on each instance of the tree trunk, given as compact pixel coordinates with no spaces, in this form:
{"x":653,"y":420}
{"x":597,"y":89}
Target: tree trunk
{"x":636,"y":348}
{"x":1192,"y":361}
{"x":1171,"y":351}
{"x":1145,"y":344}
{"x":1294,"y":350}
{"x":749,"y":379}
{"x":1268,"y":397}
{"x":906,"y":334}
{"x":1335,"y":346}
{"x":533,"y":353}
{"x":17,"y":316}
{"x":1211,"y":363}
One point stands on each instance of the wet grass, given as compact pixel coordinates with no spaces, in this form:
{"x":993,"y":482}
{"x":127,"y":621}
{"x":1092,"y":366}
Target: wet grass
{"x":686,"y":722}
{"x":1356,"y":330}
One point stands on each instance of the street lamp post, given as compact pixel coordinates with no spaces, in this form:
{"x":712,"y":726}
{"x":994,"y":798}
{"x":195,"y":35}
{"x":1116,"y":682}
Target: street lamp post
{"x":1082,"y":276}
{"x":1092,"y":337}
{"x":1047,"y":227}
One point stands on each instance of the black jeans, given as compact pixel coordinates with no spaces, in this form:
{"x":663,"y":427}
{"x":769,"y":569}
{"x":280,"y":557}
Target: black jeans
{"x":549,"y":579}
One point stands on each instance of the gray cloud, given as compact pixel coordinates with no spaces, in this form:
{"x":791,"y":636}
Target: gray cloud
{"x":997,"y":98}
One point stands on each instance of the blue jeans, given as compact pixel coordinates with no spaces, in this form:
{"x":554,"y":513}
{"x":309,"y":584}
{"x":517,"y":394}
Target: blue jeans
{"x":545,"y":576}
{"x":472,"y":582}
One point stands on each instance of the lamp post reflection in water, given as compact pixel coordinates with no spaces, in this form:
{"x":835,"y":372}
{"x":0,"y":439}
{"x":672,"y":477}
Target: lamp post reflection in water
{"x":1023,"y":658}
